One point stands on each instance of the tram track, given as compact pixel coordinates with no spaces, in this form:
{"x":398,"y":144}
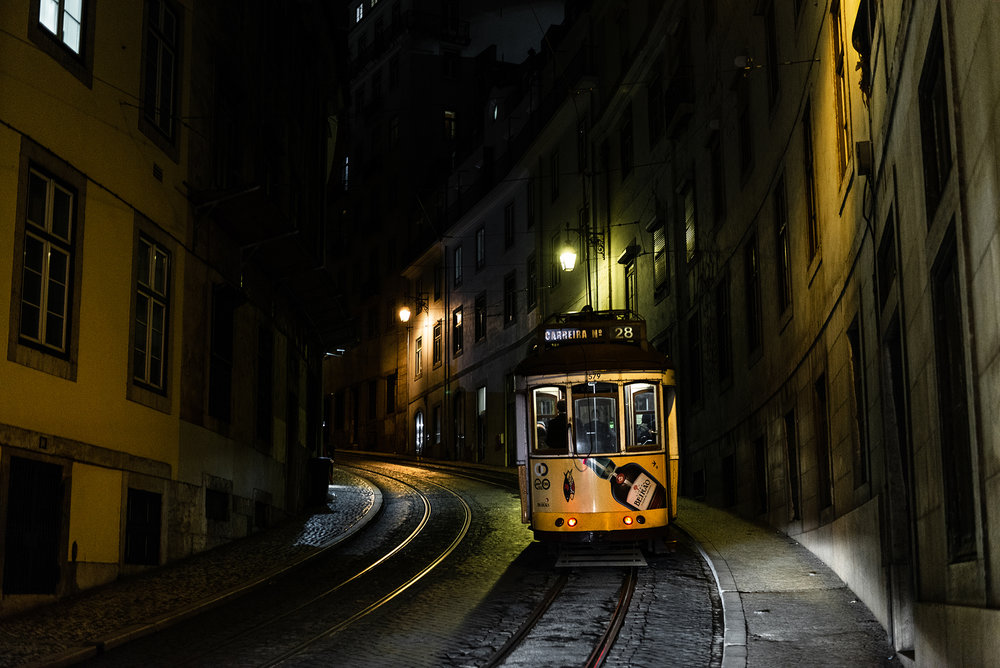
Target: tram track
{"x":411,"y":581}
{"x":288,"y":619}
{"x":534,"y":638}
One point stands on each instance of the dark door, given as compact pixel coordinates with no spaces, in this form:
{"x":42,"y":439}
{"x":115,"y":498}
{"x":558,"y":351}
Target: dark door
{"x":34,"y":523}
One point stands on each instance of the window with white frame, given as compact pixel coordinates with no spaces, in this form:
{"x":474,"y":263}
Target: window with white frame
{"x":152,"y":303}
{"x":64,"y":19}
{"x":48,"y":264}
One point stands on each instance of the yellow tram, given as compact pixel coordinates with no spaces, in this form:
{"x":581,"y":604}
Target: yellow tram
{"x":596,"y":418}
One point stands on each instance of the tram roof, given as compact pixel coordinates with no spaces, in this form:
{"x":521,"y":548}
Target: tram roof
{"x":593,"y":357}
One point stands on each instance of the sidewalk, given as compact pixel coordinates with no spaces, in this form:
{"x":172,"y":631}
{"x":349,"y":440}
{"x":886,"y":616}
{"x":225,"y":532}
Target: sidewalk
{"x":782,"y":605}
{"x":75,"y":629}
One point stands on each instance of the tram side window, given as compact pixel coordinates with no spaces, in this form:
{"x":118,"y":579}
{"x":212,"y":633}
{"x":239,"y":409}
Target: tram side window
{"x":550,"y":419}
{"x":595,"y":414}
{"x":644,"y":426}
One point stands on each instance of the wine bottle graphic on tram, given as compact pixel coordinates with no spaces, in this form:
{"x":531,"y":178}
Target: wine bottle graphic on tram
{"x":631,"y":485}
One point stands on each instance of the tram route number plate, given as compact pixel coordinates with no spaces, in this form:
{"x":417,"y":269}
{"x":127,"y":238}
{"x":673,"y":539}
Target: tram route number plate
{"x":618,"y":333}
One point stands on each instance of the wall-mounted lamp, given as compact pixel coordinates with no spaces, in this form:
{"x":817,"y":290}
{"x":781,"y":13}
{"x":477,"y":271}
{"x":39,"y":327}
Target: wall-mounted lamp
{"x":419,"y":301}
{"x":567,"y":256}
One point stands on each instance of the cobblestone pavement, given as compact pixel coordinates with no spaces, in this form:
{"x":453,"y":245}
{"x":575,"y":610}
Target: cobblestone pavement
{"x":73,"y":629}
{"x":781,"y":604}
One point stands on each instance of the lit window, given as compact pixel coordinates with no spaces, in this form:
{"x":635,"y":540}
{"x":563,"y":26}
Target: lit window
{"x":359,"y":13}
{"x":63,"y":18}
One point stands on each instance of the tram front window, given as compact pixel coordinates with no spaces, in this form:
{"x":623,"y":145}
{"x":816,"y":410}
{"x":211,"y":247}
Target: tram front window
{"x":595,"y":413}
{"x":644,"y":433}
{"x":550,"y":419}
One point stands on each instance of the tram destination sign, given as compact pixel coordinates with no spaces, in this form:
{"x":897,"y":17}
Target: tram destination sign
{"x":617,"y":332}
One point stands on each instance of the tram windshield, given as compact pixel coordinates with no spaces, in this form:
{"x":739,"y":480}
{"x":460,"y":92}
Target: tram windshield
{"x":597,"y":418}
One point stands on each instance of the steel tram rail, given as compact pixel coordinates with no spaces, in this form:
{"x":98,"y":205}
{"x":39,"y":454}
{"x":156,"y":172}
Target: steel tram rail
{"x":604,"y":644}
{"x":434,"y":563}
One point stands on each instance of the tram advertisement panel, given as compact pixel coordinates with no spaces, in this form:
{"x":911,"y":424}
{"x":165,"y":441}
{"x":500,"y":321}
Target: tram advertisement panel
{"x":598,"y":484}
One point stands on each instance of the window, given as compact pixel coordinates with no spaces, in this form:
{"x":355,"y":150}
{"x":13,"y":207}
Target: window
{"x":660,"y":259}
{"x":840,"y":88}
{"x":955,"y":439}
{"x":220,"y":371}
{"x":457,"y":257}
{"x":142,"y":527}
{"x":771,"y":39}
{"x":551,"y":431}
{"x":436,"y":345}
{"x":49,"y":251}
{"x":457,"y":329}
{"x":418,"y":357}
{"x":643,"y":432}
{"x":723,"y":329}
{"x":359,"y":13}
{"x":631,"y":287}
{"x":783,"y":252}
{"x":531,"y":271}
{"x":480,"y":325}
{"x":160,"y":73}
{"x":436,"y":422}
{"x":508,"y":225}
{"x":690,"y":221}
{"x":824,"y":487}
{"x":812,"y":222}
{"x":265,"y":384}
{"x":152,"y":302}
{"x":751,"y":283}
{"x":450,"y":125}
{"x":935,"y":139}
{"x":625,"y":143}
{"x":63,"y":18}
{"x":510,"y":299}
{"x":480,"y":248}
{"x":418,"y":431}
{"x":64,"y":30}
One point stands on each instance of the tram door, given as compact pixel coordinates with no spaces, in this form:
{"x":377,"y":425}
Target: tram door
{"x":34,"y":524}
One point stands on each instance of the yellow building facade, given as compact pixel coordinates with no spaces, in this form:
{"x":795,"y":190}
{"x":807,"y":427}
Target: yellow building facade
{"x":159,"y":387}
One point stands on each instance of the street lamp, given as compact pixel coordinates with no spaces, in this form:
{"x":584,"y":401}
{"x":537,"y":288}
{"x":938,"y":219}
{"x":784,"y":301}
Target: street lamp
{"x":404,"y":314}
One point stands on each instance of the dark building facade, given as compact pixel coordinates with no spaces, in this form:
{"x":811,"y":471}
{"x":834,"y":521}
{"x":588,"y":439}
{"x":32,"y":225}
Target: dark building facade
{"x":798,"y":199}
